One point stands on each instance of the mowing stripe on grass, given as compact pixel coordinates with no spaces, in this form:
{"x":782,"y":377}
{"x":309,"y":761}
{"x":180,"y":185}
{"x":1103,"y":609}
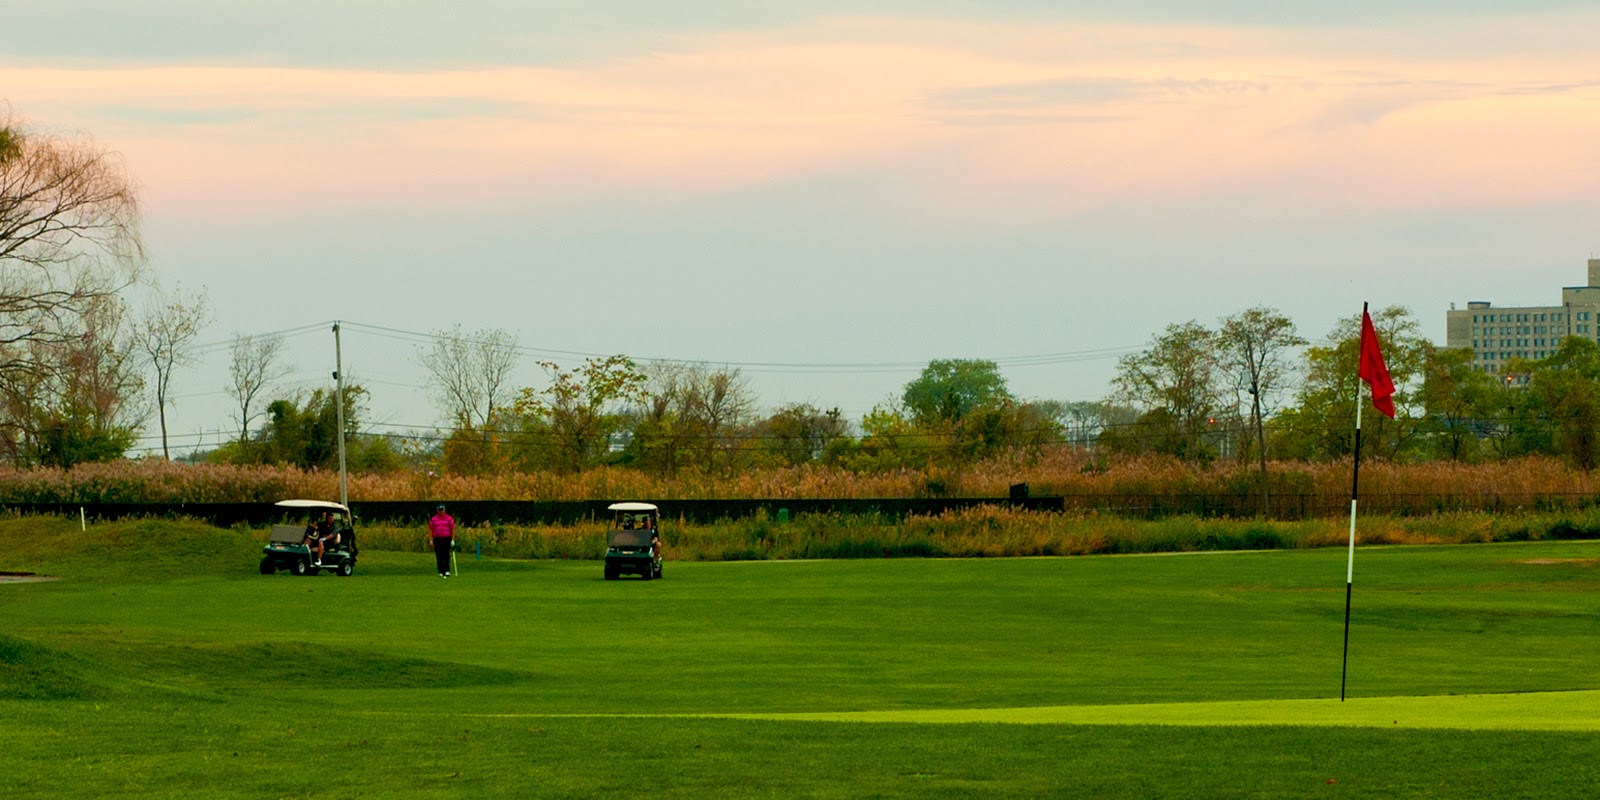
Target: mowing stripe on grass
{"x":1550,"y":711}
{"x":1533,"y":711}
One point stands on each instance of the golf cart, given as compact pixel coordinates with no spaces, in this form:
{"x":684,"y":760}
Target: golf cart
{"x":287,"y":548}
{"x":633,"y":543}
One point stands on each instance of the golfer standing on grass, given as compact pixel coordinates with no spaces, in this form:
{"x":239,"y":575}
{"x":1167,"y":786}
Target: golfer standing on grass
{"x":442,"y":528}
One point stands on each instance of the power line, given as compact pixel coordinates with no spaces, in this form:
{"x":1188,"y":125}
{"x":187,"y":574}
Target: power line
{"x":1044,"y":359}
{"x":287,"y":333}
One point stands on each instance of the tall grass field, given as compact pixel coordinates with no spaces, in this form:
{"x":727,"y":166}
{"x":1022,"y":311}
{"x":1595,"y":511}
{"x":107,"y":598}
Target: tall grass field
{"x":1127,"y":481}
{"x":160,"y":664}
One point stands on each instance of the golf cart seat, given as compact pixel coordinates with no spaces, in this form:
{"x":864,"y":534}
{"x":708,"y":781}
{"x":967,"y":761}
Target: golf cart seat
{"x":637,"y":538}
{"x":287,"y":534}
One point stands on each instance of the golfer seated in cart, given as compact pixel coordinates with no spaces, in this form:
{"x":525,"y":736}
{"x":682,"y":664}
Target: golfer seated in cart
{"x":328,"y":543}
{"x":633,"y":542}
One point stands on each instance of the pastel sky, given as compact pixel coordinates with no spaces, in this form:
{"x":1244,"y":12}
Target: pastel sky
{"x":1047,"y":184}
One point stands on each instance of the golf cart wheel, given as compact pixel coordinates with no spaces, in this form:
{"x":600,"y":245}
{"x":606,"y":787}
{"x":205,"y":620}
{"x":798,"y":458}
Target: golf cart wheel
{"x":611,"y":574}
{"x":345,"y":568}
{"x":648,"y":573}
{"x":267,"y":567}
{"x":300,"y":567}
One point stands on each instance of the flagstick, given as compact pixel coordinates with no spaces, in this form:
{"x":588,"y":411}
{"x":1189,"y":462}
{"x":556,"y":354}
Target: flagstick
{"x":1350,"y":570}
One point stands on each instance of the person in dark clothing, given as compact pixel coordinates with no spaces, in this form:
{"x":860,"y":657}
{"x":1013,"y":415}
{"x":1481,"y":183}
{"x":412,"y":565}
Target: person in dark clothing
{"x":320,"y":534}
{"x":442,"y":529}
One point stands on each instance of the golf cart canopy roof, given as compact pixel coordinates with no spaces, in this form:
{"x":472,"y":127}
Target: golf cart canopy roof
{"x":311,"y":504}
{"x":630,"y":507}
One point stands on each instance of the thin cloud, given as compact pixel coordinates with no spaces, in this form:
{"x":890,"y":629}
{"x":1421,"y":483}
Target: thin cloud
{"x":1060,"y":118}
{"x":1086,"y":91}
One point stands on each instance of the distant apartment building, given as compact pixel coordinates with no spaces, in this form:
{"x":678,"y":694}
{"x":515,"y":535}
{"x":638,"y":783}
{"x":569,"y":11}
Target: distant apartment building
{"x":1496,"y":335}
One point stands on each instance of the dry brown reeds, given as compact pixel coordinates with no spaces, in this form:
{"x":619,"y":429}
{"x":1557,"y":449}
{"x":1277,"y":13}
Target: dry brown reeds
{"x":1319,"y":489}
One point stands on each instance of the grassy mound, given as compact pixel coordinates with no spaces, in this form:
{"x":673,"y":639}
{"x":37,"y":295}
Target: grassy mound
{"x":29,"y":671}
{"x":130,"y":549}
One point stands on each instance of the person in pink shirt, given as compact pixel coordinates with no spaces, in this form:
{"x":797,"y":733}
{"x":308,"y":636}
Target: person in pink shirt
{"x":442,"y":529}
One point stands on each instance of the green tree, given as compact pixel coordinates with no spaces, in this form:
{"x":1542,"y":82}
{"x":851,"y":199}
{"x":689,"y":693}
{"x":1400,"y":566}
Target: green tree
{"x":1322,"y":423}
{"x":801,"y":433}
{"x":1460,"y":401}
{"x":955,"y":412}
{"x":1563,"y":392}
{"x":891,"y":439}
{"x":949,"y":389}
{"x":577,"y":414}
{"x":1176,"y":382}
{"x":304,"y":431}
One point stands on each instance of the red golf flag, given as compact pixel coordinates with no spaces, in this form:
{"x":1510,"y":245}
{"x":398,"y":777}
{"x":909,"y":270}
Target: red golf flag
{"x":1373,"y":370}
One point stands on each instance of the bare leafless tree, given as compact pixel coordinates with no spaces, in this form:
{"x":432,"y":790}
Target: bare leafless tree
{"x":1253,"y":348}
{"x":692,"y":415}
{"x":468,"y":374}
{"x":721,"y":402}
{"x":252,"y":369}
{"x":69,"y":239}
{"x":171,"y":324}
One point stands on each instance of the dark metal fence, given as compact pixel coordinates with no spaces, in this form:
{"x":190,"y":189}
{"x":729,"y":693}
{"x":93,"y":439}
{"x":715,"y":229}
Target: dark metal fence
{"x":1142,"y":506}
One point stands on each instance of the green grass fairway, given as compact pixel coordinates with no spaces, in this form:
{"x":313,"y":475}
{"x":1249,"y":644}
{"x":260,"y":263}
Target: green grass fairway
{"x":162,"y":665}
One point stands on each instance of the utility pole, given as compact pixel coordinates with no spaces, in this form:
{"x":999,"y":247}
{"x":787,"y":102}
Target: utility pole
{"x":338,"y":405}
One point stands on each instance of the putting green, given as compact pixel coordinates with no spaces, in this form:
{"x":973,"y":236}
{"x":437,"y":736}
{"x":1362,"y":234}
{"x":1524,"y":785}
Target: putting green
{"x":1548,"y":711}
